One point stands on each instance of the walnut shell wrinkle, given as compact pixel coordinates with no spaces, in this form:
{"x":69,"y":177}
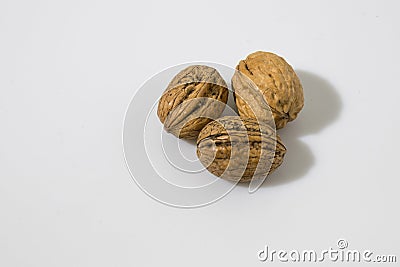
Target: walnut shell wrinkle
{"x":277,"y":82}
{"x":193,"y":98}
{"x":238,"y":149}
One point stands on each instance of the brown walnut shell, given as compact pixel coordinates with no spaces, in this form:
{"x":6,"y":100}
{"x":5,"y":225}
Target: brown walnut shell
{"x":194,"y":97}
{"x":278,"y":83}
{"x":240,"y":149}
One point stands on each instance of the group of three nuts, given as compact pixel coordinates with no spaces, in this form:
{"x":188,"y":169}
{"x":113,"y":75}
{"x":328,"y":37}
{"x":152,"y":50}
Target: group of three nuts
{"x":268,"y":94}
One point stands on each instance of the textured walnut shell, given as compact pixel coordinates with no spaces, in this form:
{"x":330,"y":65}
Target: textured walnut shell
{"x":240,"y":149}
{"x":194,"y":97}
{"x":277,"y":82}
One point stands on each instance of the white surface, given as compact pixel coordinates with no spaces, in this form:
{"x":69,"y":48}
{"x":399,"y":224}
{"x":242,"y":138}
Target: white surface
{"x":68,"y":70}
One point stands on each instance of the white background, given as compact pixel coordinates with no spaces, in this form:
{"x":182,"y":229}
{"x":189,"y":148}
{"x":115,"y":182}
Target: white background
{"x":68,"y":70}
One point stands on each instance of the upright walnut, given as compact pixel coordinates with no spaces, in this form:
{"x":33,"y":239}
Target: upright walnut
{"x":194,"y":97}
{"x":240,"y":149}
{"x":276,"y":80}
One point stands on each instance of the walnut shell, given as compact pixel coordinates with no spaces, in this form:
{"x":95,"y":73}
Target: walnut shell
{"x":194,"y":97}
{"x":240,"y":149}
{"x":278,"y":83}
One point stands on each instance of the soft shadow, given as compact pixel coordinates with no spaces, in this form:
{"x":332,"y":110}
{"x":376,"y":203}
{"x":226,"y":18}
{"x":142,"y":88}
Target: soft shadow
{"x":192,"y":142}
{"x":231,"y":108}
{"x":298,"y":161}
{"x":322,"y":107}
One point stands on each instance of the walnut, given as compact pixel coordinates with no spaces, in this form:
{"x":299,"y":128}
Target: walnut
{"x":240,"y":149}
{"x":278,"y":83}
{"x":194,"y":97}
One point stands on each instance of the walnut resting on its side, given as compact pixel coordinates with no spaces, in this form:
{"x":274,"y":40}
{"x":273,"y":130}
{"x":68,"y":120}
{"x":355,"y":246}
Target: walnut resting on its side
{"x":194,"y":97}
{"x":278,"y":83}
{"x":240,"y":149}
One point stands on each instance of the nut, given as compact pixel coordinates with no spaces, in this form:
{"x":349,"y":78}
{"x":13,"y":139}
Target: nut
{"x":278,"y":83}
{"x":194,"y":97}
{"x":240,"y":149}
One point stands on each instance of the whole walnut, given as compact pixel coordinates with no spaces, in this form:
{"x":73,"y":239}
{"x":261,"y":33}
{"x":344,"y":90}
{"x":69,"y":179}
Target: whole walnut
{"x":193,"y":98}
{"x":240,"y":149}
{"x":277,"y":82}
